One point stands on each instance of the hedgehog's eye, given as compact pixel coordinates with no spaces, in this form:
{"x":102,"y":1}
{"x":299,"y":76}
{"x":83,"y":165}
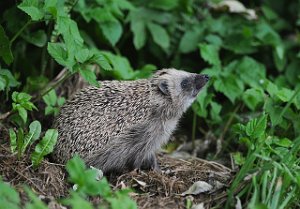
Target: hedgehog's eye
{"x":185,"y":84}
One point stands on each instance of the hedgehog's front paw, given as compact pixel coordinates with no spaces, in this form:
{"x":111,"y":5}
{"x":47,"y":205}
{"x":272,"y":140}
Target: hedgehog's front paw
{"x":150,"y":163}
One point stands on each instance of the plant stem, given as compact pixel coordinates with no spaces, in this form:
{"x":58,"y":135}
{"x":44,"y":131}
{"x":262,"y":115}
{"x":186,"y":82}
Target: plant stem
{"x":289,"y":102}
{"x":194,"y":130}
{"x":19,"y":32}
{"x":65,"y":77}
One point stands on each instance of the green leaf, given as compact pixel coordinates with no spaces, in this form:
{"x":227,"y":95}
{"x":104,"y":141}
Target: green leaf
{"x":58,"y":52}
{"x":23,"y":113}
{"x":44,"y":147}
{"x":251,"y":72}
{"x":86,"y":179}
{"x":73,"y":41}
{"x":61,"y":101}
{"x":82,"y":55}
{"x":89,"y":76}
{"x":203,"y":100}
{"x":5,"y":47}
{"x":139,"y":33}
{"x":9,"y":79}
{"x":164,"y":4}
{"x":121,"y":66}
{"x":35,"y":203}
{"x":230,"y":86}
{"x":2,"y":83}
{"x":274,"y":112}
{"x":238,"y":158}
{"x":76,"y":168}
{"x":23,"y":97}
{"x":34,"y":133}
{"x":31,"y":7}
{"x":52,"y":7}
{"x":285,"y":142}
{"x":101,"y":60}
{"x":13,"y":140}
{"x":210,"y":53}
{"x":122,"y":201}
{"x":8,"y":196}
{"x":190,"y":39}
{"x":50,"y":98}
{"x":285,"y":94}
{"x":38,"y":38}
{"x":112,"y":30}
{"x":215,"y":111}
{"x":77,"y":202}
{"x":255,"y":128}
{"x":159,"y":35}
{"x":252,"y":97}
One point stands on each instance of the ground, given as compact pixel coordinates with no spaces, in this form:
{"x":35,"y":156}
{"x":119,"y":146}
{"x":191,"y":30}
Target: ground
{"x":152,"y":189}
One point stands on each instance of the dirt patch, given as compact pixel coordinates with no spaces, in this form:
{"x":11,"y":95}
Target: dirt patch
{"x":48,"y":179}
{"x":164,"y":190}
{"x":151,"y":189}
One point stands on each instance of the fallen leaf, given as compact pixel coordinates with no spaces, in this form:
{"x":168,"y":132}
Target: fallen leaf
{"x":234,"y":6}
{"x":198,"y":187}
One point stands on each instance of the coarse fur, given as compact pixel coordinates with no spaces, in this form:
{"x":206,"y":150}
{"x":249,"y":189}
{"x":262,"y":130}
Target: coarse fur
{"x":119,"y":126}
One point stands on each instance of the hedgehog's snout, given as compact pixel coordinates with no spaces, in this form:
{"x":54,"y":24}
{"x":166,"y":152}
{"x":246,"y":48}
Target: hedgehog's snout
{"x":200,"y":81}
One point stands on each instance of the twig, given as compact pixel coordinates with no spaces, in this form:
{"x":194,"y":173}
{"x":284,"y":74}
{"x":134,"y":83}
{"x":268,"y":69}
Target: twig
{"x":229,"y":122}
{"x":28,"y":179}
{"x":5,"y":115}
{"x":65,"y":77}
{"x":19,"y":32}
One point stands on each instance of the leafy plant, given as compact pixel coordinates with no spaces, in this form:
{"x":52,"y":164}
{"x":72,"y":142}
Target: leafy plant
{"x":44,"y":147}
{"x":21,"y":103}
{"x":253,"y":64}
{"x":20,"y":141}
{"x":269,"y":159}
{"x":53,"y":103}
{"x":86,"y":182}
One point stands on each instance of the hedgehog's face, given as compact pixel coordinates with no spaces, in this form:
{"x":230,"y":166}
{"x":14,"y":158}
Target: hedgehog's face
{"x":181,"y":86}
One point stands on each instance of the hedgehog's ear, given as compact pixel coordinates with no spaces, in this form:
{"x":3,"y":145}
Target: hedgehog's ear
{"x":163,"y":87}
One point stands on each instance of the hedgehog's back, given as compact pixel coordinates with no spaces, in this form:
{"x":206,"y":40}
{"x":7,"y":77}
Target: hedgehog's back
{"x":94,"y":115}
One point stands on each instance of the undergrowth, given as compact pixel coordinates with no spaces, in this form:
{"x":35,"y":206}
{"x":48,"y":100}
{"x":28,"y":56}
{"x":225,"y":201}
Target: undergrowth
{"x":251,"y":104}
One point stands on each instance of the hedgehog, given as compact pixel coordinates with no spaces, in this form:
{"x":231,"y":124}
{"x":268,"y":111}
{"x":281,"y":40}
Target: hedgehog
{"x":120,"y":125}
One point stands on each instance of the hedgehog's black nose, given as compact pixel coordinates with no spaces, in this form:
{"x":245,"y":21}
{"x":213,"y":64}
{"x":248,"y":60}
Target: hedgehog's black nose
{"x":200,"y":81}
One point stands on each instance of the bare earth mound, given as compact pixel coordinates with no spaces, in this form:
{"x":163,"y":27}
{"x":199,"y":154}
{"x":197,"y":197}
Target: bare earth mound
{"x":151,"y":189}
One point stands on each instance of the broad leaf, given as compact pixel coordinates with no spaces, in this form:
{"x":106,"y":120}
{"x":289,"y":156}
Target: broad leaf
{"x":159,"y":35}
{"x":9,"y":196}
{"x":190,"y":39}
{"x":100,"y":60}
{"x":164,"y":4}
{"x":31,"y":7}
{"x":251,"y":72}
{"x":44,"y":147}
{"x":50,"y":98}
{"x":23,"y":113}
{"x":58,"y":52}
{"x":13,"y":140}
{"x":252,"y":97}
{"x":231,"y":86}
{"x":34,"y":134}
{"x":139,"y":33}
{"x":210,"y":53}
{"x":89,"y":76}
{"x":255,"y":128}
{"x":5,"y":50}
{"x":9,"y":79}
{"x":82,"y":55}
{"x":112,"y":30}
